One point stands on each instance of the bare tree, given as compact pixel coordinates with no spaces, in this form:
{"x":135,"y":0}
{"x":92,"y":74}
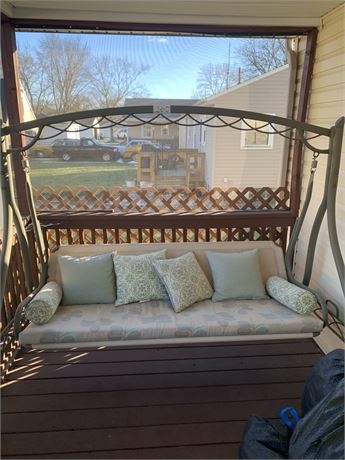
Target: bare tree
{"x":113,"y":79}
{"x":65,"y":63}
{"x":34,"y":81}
{"x":213,"y":79}
{"x":262,"y":55}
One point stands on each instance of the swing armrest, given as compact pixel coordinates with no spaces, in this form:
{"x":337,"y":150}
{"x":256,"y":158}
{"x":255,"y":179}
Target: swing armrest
{"x":21,"y":309}
{"x":319,"y":299}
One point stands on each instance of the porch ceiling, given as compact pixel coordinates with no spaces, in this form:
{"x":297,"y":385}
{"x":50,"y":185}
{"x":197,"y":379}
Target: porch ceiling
{"x":291,"y":13}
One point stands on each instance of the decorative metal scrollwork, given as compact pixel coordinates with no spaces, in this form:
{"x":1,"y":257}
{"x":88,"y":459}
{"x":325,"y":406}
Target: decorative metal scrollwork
{"x":162,"y":115}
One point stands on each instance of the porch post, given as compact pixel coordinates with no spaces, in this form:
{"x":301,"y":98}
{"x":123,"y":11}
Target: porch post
{"x":12,"y":106}
{"x":296,"y":173}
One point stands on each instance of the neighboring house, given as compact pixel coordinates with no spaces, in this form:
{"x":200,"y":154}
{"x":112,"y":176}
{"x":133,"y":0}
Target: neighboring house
{"x":28,"y":113}
{"x":164,"y":134}
{"x":245,"y":158}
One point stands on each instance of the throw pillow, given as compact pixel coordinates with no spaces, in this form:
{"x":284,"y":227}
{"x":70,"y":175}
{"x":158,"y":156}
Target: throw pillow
{"x":184,"y":280}
{"x":290,"y":295}
{"x":137,"y":280}
{"x":236,"y":275}
{"x":43,"y":306}
{"x":87,"y":279}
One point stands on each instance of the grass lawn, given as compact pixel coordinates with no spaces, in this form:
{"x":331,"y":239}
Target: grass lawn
{"x":88,"y":173}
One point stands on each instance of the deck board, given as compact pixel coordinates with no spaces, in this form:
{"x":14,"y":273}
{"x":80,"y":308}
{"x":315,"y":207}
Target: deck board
{"x":166,"y":402}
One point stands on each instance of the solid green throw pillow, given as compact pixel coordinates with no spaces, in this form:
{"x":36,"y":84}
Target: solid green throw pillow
{"x":290,"y":295}
{"x":236,"y":275}
{"x":43,"y":306}
{"x":87,"y":279}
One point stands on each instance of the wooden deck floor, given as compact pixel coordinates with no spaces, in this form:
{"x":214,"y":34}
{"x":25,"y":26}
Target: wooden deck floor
{"x":168,"y":402}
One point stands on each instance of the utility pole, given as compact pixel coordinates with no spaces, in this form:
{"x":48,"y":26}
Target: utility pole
{"x":239,"y":76}
{"x":228,"y":69}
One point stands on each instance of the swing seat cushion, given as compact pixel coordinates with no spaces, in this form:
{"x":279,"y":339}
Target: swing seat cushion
{"x":82,"y":324}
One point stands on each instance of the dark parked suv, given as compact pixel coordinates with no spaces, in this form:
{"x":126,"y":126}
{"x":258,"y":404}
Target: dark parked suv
{"x":83,"y":149}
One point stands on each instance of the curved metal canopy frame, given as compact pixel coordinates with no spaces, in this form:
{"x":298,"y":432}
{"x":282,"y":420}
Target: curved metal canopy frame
{"x":183,"y":116}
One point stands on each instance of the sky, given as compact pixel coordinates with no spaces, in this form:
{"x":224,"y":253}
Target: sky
{"x":174,"y":60}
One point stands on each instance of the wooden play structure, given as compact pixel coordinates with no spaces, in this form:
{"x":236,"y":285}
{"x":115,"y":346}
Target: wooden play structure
{"x":178,"y":168}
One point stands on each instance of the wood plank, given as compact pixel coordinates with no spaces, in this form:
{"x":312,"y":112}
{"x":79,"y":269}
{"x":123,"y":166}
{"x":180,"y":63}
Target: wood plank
{"x":148,"y":397}
{"x":172,"y":380}
{"x":143,"y":416}
{"x":122,"y":438}
{"x":184,"y":402}
{"x":66,"y":370}
{"x":139,"y":354}
{"x":104,"y":219}
{"x":216,"y":450}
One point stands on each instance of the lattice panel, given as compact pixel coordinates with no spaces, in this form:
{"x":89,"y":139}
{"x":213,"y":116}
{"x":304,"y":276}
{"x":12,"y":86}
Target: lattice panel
{"x":56,"y":237}
{"x":135,"y":199}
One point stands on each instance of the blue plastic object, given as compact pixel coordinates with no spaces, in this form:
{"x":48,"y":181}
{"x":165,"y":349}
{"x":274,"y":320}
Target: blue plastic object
{"x":290,"y":417}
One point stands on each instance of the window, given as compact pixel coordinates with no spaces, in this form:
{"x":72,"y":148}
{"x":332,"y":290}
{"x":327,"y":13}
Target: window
{"x":165,"y":131}
{"x":252,"y":139}
{"x":148,"y":131}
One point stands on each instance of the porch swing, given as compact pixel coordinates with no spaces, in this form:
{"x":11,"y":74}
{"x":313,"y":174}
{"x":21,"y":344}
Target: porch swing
{"x":186,"y":116}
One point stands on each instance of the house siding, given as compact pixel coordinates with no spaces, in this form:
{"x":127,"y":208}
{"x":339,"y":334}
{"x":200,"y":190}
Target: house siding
{"x":136,"y":132}
{"x":327,"y":103}
{"x":237,"y":167}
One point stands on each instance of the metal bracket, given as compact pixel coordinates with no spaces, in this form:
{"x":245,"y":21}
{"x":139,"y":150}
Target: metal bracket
{"x":161,"y":108}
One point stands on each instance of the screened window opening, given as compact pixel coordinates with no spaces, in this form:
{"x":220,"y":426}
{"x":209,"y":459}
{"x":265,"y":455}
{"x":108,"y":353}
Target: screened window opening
{"x":133,"y":70}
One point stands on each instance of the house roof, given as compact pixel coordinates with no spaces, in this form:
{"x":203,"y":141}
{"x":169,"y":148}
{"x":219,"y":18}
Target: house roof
{"x":241,"y":85}
{"x":156,"y":101}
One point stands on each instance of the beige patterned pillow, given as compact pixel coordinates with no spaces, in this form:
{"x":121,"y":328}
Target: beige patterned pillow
{"x":137,"y":280}
{"x":184,"y":280}
{"x":43,"y":306}
{"x":297,"y":299}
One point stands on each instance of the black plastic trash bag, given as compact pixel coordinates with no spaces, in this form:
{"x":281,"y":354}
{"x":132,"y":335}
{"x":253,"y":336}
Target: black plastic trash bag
{"x":320,"y":434}
{"x":323,"y":378}
{"x":265,"y":439}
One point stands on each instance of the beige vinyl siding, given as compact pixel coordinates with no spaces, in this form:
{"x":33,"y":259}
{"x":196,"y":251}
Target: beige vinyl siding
{"x":234,"y":166}
{"x":327,"y":103}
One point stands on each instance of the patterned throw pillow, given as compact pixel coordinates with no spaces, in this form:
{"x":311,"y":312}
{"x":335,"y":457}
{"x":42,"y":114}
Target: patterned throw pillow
{"x":290,"y":295}
{"x":43,"y":306}
{"x":184,"y":280}
{"x":137,"y":280}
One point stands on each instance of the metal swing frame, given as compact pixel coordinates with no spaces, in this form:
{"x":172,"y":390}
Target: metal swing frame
{"x":183,"y":116}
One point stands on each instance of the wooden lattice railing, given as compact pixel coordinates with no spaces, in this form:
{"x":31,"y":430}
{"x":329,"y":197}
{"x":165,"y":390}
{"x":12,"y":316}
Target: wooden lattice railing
{"x":64,"y":236}
{"x":15,"y":292}
{"x":121,"y":200}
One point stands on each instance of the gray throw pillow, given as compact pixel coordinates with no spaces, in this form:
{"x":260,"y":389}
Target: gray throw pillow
{"x":43,"y":306}
{"x":184,"y":280}
{"x":87,"y":279}
{"x":236,"y":275}
{"x":137,"y":280}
